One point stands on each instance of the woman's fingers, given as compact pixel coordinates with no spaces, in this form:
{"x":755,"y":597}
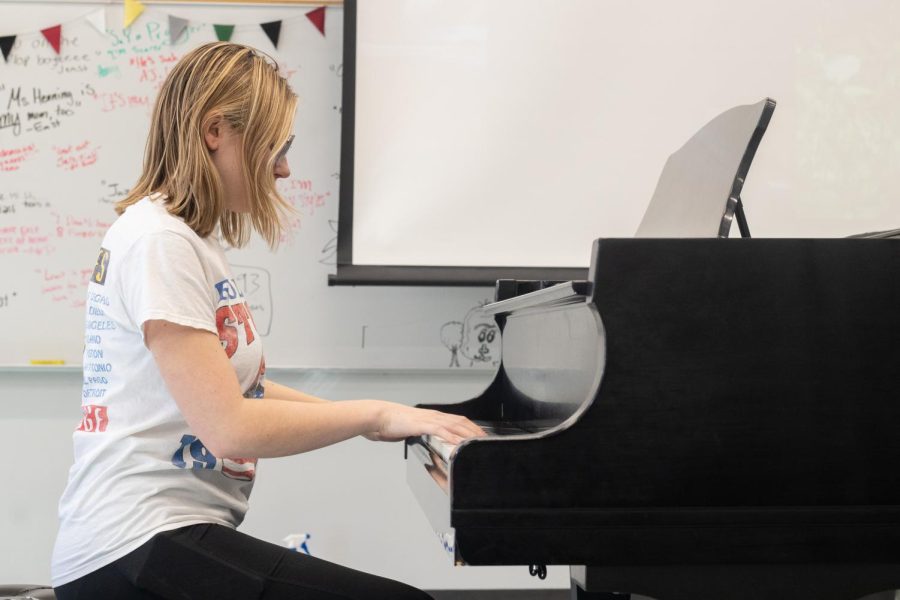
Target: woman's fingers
{"x":467,"y":428}
{"x":457,"y":428}
{"x":448,"y":436}
{"x":403,"y":421}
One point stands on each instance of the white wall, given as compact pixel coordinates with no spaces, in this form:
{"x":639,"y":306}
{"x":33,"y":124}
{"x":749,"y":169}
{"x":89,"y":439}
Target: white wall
{"x":352,"y":498}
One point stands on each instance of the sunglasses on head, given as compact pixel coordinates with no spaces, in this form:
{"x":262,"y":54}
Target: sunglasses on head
{"x":284,"y":150}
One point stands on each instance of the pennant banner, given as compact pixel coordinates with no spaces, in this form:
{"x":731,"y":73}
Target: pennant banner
{"x":133,"y":9}
{"x":273,"y":30}
{"x":6,"y":44}
{"x":98,"y":20}
{"x":223,"y":32}
{"x":176,"y":28}
{"x":53,"y":34}
{"x":317,"y":17}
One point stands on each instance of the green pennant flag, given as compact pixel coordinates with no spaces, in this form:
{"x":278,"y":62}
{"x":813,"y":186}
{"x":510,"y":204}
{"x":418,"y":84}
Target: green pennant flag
{"x":223,"y":32}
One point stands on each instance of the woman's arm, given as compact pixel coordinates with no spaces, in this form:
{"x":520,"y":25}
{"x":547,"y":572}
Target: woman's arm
{"x":283,"y":392}
{"x":205,"y":387}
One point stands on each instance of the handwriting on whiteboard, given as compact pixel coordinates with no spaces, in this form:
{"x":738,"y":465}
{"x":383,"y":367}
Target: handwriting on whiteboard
{"x":6,"y":298}
{"x":14,"y":202}
{"x":76,"y":156}
{"x":12,"y":159}
{"x":36,"y":109}
{"x":25,"y":239}
{"x":111,"y":101}
{"x":64,"y":286}
{"x":153,"y":37}
{"x":113,"y":192}
{"x":255,"y":283}
{"x":71,"y":58}
{"x":306,"y":200}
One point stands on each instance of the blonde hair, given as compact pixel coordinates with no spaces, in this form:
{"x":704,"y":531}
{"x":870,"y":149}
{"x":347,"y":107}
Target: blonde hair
{"x":242,"y":86}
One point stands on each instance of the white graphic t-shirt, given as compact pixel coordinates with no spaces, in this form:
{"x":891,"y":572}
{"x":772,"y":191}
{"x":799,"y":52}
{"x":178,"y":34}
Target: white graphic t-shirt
{"x":138,"y":468}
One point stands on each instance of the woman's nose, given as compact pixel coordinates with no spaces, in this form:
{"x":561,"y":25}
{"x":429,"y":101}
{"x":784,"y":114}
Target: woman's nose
{"x":282,"y":169}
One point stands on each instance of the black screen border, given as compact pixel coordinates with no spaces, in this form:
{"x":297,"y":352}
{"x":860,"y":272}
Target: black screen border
{"x":349,"y":273}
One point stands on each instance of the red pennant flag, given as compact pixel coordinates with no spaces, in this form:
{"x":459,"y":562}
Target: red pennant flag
{"x":53,"y":34}
{"x":317,"y":17}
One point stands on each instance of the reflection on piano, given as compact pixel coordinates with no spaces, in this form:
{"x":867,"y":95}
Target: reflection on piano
{"x":702,"y":419}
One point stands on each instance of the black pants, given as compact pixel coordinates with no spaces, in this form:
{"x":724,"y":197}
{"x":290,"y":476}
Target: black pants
{"x":217,"y":562}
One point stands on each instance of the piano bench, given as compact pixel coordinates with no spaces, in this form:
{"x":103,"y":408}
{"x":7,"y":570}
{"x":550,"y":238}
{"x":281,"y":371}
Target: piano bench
{"x":23,"y":591}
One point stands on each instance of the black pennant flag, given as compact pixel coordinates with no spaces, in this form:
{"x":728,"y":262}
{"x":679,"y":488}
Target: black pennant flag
{"x":6,"y":44}
{"x":273,"y":30}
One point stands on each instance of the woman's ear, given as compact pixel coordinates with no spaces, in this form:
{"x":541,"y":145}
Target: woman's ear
{"x":213,"y":130}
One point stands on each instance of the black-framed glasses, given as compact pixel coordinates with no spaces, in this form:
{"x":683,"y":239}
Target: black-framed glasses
{"x":282,"y":154}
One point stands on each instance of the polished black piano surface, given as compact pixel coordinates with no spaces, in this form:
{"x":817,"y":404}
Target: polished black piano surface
{"x":701,"y":418}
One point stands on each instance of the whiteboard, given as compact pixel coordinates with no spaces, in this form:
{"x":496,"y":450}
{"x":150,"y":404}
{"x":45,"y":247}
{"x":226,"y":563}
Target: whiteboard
{"x":72,"y":132}
{"x":514,"y":132}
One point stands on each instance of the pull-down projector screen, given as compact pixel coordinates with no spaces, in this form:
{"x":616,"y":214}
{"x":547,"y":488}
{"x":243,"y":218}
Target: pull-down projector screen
{"x":512,"y":133}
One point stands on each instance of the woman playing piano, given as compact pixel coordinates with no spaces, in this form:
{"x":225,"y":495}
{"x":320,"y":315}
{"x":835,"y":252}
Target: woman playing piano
{"x":176,"y":406}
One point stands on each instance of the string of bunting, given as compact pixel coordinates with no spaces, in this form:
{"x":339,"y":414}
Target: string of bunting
{"x":177,"y":26}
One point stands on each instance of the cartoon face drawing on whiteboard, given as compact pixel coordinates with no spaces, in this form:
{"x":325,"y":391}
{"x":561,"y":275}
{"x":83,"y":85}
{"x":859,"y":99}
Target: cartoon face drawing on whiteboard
{"x":481,"y":338}
{"x":451,"y":337}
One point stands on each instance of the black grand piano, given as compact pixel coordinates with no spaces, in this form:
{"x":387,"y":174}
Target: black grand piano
{"x":700,"y":419}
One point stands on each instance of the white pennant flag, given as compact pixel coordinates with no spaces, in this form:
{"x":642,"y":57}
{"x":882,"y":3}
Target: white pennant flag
{"x":98,"y":20}
{"x":176,"y":28}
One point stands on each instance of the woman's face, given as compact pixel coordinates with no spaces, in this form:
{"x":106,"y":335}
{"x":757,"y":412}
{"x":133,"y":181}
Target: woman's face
{"x":224,"y":143}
